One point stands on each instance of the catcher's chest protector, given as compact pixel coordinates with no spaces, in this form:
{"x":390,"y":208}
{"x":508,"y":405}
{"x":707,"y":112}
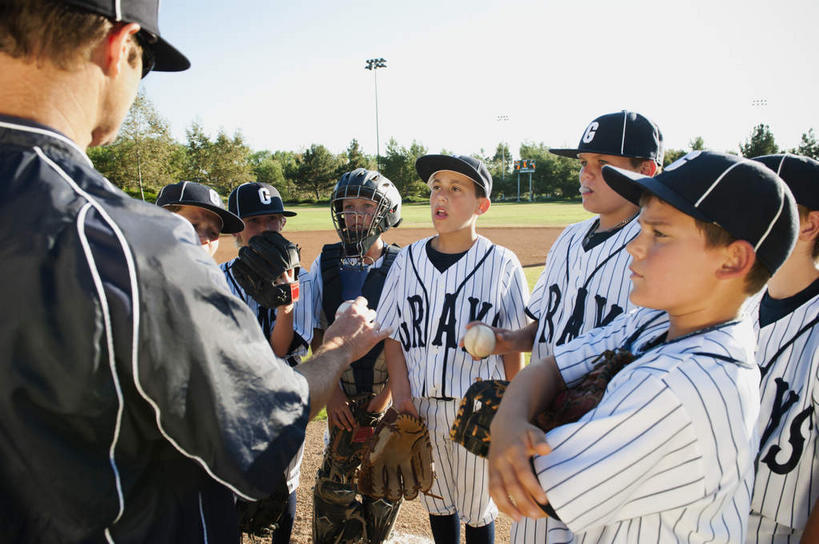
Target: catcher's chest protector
{"x":371,"y":290}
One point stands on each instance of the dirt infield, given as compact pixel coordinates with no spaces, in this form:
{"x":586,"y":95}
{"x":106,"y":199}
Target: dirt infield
{"x":530,"y":244}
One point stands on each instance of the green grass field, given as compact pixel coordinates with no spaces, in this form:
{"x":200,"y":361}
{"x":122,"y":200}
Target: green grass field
{"x":501,"y":214}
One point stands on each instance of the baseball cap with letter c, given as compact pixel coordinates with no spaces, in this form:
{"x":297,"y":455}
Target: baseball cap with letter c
{"x":146,"y":14}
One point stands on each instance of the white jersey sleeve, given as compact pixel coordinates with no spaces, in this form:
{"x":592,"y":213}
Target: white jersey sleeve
{"x":316,"y":292}
{"x":668,"y":454}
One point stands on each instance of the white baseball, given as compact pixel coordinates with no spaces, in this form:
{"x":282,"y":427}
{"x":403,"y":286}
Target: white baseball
{"x":479,"y":341}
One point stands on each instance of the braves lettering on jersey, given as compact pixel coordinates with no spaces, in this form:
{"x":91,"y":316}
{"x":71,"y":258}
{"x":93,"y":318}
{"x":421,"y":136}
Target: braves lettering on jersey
{"x":428,"y":311}
{"x":668,"y":454}
{"x":302,"y":315}
{"x":786,"y":490}
{"x":579,"y":289}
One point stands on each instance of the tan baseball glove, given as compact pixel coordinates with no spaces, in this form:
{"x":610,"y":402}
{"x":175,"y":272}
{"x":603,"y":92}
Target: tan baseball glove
{"x":398,"y":459}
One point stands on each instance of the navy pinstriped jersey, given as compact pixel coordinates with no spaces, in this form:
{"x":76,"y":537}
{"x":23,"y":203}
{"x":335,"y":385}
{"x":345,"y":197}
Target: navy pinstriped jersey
{"x":429,"y":309}
{"x":580,"y":289}
{"x":668,"y":454}
{"x":302,"y":316}
{"x":787,"y":480}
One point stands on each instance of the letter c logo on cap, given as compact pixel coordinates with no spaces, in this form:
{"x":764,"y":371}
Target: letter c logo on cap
{"x":264,"y":196}
{"x":588,"y":136}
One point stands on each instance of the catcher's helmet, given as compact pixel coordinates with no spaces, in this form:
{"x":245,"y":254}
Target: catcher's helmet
{"x":356,"y":232}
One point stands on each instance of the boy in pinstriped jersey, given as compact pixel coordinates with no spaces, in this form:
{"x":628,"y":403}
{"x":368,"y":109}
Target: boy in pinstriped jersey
{"x":786,"y":314}
{"x":668,"y":453}
{"x":435,"y":287}
{"x":584,"y":283}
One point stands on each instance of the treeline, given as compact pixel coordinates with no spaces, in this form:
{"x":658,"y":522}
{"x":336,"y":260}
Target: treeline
{"x":145,"y":157}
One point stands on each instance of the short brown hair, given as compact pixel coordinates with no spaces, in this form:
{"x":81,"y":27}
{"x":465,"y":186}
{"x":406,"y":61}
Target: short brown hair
{"x":39,"y":30}
{"x":637,"y":163}
{"x":716,"y":236}
{"x":803,"y":216}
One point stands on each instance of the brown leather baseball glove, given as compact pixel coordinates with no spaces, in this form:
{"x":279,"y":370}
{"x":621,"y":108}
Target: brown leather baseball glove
{"x":482,"y":399}
{"x":398,"y":459}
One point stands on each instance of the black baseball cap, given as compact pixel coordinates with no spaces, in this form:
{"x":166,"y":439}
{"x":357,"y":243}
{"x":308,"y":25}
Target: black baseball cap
{"x":146,"y":14}
{"x":249,"y":199}
{"x":800,"y":173}
{"x":625,"y":134}
{"x":463,"y":164}
{"x":742,"y":196}
{"x":190,"y":193}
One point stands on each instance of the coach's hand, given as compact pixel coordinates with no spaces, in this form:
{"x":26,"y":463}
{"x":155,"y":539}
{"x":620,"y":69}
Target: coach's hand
{"x":354,"y":331}
{"x":512,"y":484}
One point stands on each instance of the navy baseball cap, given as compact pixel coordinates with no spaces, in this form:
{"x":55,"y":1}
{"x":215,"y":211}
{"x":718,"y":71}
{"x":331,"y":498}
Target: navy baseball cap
{"x":463,"y":164}
{"x":146,"y":14}
{"x":800,"y":173}
{"x":249,"y":199}
{"x":625,"y":134}
{"x":742,"y":196}
{"x":190,"y":193}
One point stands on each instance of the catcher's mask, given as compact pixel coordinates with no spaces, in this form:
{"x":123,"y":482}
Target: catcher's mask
{"x":357,"y":228}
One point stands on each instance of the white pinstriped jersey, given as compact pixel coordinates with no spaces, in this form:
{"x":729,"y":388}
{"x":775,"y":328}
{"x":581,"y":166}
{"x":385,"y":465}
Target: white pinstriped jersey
{"x":429,"y":309}
{"x":787,"y":480}
{"x":577,"y":291}
{"x":581,"y":289}
{"x":668,"y":454}
{"x":302,"y":315}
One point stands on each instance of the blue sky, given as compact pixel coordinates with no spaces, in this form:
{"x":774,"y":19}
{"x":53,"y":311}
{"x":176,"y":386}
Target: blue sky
{"x":289,"y":74}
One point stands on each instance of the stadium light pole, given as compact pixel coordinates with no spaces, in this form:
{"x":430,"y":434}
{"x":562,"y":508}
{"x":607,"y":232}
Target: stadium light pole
{"x":502,"y":118}
{"x":374,"y":65}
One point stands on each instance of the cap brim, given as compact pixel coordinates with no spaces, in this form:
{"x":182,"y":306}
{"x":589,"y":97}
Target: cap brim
{"x":563,"y":152}
{"x":285,"y":213}
{"x":631,"y":186}
{"x":429,"y":164}
{"x":231,"y":224}
{"x":168,"y":58}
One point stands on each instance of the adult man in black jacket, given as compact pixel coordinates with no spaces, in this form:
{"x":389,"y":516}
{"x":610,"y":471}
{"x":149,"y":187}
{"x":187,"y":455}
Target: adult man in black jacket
{"x":137,"y":394}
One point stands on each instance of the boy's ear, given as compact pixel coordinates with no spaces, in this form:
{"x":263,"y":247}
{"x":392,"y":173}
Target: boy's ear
{"x":809,"y":227}
{"x":648,"y":168}
{"x":739,"y":258}
{"x":483,"y":205}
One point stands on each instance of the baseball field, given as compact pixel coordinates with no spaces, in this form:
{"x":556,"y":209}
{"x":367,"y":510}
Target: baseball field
{"x":529,"y":229}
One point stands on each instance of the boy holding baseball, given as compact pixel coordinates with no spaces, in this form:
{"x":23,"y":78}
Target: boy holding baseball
{"x":435,"y":287}
{"x":668,"y":452}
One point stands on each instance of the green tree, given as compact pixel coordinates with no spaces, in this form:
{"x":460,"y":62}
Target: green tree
{"x":269,"y":170}
{"x":197,"y":154}
{"x":761,"y":142}
{"x":808,"y":146}
{"x":354,"y":158}
{"x":398,"y":164}
{"x":500,"y":164}
{"x":554,"y":176}
{"x":317,"y":171}
{"x":143,"y":156}
{"x":229,"y":161}
{"x":696,"y":144}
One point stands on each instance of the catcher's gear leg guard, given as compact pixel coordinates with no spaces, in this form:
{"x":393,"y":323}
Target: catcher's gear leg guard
{"x":338,"y":517}
{"x":380,"y":515}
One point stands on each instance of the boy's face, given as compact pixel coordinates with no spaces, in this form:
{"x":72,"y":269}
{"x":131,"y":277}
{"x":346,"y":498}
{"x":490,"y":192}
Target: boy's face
{"x":258,"y":224}
{"x":671,"y":269}
{"x":453,"y":201}
{"x":207,"y":225}
{"x":358,"y":213}
{"x":597,"y":196}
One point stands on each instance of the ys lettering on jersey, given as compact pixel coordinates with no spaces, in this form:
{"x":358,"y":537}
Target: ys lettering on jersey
{"x":783,"y":401}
